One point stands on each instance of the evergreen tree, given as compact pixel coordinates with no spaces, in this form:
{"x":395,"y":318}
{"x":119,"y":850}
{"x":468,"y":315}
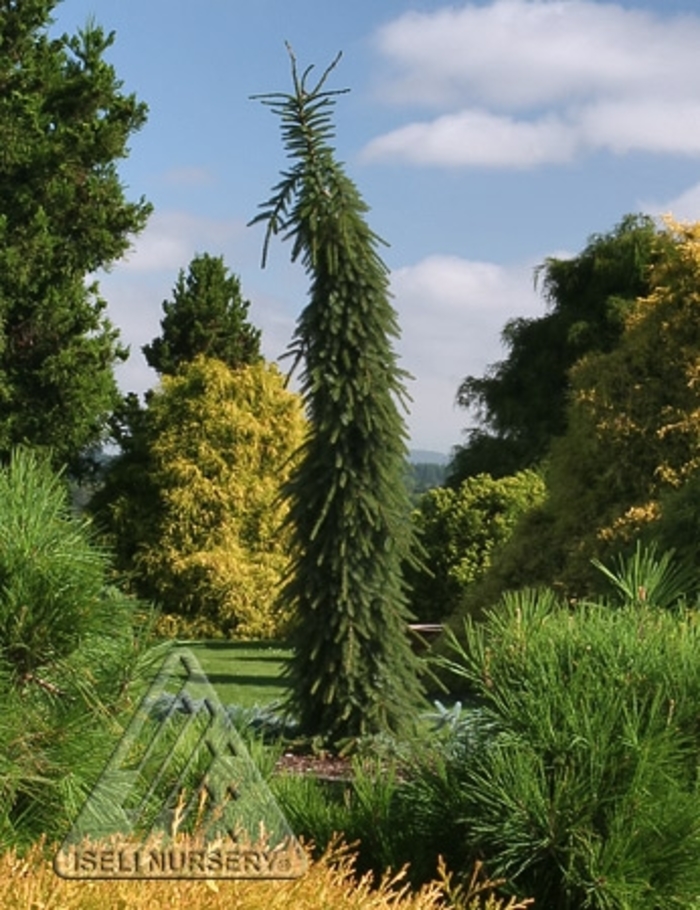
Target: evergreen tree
{"x":207,"y":316}
{"x":190,"y":506}
{"x":64,"y":122}
{"x":72,"y":651}
{"x":353,"y":671}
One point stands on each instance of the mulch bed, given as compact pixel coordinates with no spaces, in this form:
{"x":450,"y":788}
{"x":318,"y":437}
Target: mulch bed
{"x":322,"y":766}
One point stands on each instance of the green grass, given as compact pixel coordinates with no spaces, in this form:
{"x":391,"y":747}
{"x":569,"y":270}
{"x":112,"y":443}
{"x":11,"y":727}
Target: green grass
{"x":243,"y":673}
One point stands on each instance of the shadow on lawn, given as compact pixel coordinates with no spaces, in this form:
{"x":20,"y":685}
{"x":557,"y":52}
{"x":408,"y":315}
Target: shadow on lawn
{"x":225,"y":679}
{"x":224,"y":644}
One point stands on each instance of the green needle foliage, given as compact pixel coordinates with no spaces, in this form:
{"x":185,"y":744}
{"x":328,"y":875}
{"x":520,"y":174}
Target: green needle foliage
{"x":650,"y":577}
{"x":65,"y":124}
{"x":585,"y":795}
{"x":71,"y":648}
{"x":353,"y":671}
{"x":207,"y":316}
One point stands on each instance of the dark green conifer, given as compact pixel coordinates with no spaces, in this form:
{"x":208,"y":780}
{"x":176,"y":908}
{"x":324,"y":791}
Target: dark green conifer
{"x":65,"y":124}
{"x":353,"y":671}
{"x":208,"y":316}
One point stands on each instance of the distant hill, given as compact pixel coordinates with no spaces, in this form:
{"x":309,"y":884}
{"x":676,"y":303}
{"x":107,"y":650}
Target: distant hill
{"x":425,"y":456}
{"x":425,"y":470}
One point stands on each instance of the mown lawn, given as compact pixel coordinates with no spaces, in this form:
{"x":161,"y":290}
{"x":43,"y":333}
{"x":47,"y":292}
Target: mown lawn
{"x":244,"y":673}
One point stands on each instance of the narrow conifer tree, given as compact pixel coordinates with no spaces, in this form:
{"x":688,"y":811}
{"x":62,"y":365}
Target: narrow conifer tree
{"x":353,"y":671}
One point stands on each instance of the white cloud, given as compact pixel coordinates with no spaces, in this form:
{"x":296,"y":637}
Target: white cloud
{"x":661,"y":126}
{"x":452,"y":312}
{"x":188,"y":176}
{"x":526,"y":82}
{"x":477,"y":138}
{"x":171,"y":239}
{"x":684,"y":207}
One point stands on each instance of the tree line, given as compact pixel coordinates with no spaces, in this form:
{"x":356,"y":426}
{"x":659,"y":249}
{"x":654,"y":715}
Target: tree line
{"x":599,"y":396}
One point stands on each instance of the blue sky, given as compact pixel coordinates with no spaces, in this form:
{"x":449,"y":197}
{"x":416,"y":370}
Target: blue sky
{"x":485,"y":136}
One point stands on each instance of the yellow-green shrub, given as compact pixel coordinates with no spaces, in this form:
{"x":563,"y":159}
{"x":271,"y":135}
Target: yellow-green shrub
{"x":460,"y":529}
{"x":329,"y":884}
{"x":198,"y":524}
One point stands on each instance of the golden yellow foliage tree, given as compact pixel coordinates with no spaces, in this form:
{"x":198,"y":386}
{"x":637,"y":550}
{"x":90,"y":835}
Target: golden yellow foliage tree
{"x":205,"y":538}
{"x":634,"y":418}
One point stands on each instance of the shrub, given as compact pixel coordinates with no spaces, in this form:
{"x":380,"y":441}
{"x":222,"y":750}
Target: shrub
{"x":584,"y":793}
{"x":366,"y":809}
{"x":331,"y":881}
{"x":376,"y":813}
{"x":69,"y":648}
{"x":460,"y":529}
{"x":194,"y":508}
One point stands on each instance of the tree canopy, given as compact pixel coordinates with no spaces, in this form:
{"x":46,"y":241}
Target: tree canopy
{"x":633,"y":418}
{"x":207,"y":315}
{"x":627,"y":464}
{"x":521,"y":401}
{"x":353,"y":671}
{"x":64,"y":124}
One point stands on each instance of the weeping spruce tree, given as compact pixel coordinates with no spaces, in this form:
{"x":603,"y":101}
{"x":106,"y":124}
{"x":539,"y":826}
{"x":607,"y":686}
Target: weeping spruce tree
{"x":353,"y":671}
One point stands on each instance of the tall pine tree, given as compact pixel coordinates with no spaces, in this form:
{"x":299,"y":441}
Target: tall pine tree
{"x":64,"y":123}
{"x":353,"y":671}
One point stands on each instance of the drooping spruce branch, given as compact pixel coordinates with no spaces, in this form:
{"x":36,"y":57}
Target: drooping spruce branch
{"x":353,"y":670}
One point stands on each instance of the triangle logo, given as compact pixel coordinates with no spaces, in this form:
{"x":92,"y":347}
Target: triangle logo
{"x":180,"y":796}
